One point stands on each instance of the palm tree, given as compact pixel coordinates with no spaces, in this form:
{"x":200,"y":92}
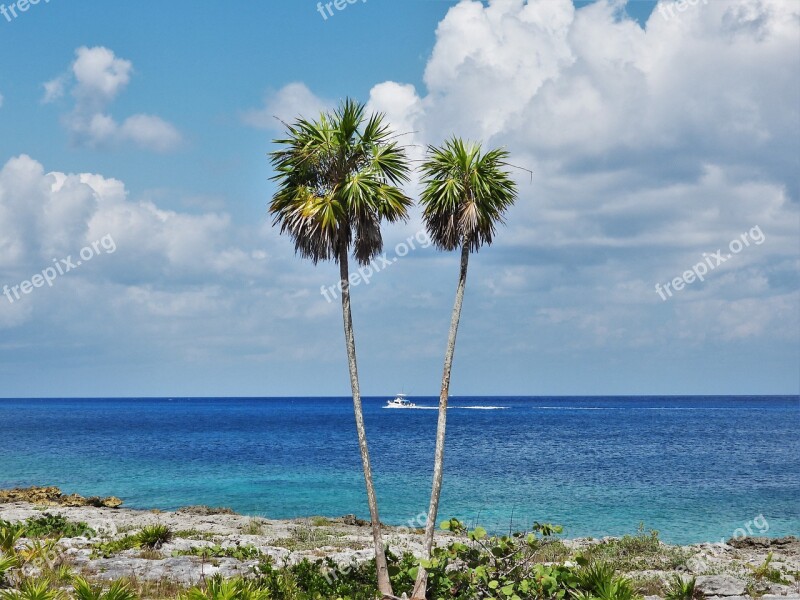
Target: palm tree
{"x":466,"y":195}
{"x":338,"y":179}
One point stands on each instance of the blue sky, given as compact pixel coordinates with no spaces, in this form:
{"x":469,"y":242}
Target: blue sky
{"x":657,"y":134}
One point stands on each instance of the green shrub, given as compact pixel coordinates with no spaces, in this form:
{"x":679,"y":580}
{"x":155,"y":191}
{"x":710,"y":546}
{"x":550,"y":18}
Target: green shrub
{"x":254,"y":527}
{"x":764,"y":571}
{"x":230,"y":589}
{"x":217,"y":551}
{"x":56,"y":526}
{"x":321,"y":579}
{"x":679,"y":588}
{"x":112,"y":547}
{"x":7,"y":562}
{"x":599,"y":581}
{"x":154,"y":536}
{"x":594,"y":576}
{"x":479,"y":566}
{"x":9,"y":536}
{"x":195,"y":534}
{"x":643,"y":551}
{"x":32,"y":590}
{"x":119,"y":590}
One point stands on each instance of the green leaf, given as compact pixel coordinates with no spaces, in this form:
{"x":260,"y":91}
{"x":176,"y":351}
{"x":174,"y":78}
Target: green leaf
{"x":478,"y":534}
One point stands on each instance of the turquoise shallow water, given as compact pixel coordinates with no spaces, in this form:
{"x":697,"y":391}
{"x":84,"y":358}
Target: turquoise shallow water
{"x":695,"y":468}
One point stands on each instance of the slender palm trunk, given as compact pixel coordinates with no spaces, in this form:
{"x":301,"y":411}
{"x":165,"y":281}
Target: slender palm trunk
{"x":438,"y":466}
{"x":384,"y":585}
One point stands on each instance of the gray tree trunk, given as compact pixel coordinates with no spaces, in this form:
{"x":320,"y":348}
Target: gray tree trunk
{"x":438,"y":466}
{"x":384,"y":585}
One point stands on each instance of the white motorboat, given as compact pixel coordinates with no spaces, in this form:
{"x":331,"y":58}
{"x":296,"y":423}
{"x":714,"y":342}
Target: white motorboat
{"x":399,"y":401}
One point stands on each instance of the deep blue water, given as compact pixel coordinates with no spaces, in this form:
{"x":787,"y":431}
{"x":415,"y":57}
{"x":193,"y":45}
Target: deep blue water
{"x":695,"y":468}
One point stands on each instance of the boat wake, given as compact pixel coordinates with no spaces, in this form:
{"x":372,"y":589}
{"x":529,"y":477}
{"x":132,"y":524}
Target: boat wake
{"x":660,"y":408}
{"x":450,"y":407}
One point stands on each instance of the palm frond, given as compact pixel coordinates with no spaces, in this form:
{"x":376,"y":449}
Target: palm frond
{"x":466,"y":195}
{"x":338,"y":178}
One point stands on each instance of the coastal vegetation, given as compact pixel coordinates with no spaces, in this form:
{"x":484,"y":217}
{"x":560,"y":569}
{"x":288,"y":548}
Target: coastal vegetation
{"x":154,"y":536}
{"x":208,"y":557}
{"x":473,"y":565}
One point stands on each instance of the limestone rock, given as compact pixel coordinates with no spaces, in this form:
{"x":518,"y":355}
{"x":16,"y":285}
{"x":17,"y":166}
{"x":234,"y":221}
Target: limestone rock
{"x":720,"y":585}
{"x":52,"y":496}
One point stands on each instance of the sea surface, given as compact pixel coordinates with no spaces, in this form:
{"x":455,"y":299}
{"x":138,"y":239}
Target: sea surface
{"x":694,"y":468}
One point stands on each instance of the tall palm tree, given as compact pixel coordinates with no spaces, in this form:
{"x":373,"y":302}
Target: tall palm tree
{"x":338,"y":179}
{"x":466,"y":195}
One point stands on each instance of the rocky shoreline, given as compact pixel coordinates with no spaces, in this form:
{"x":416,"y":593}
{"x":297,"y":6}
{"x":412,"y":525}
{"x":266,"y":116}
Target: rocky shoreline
{"x":205,"y":541}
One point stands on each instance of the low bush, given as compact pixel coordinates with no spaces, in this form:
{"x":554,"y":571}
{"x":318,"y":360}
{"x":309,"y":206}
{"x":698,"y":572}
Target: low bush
{"x":154,"y":536}
{"x":217,"y":551}
{"x":643,"y":551}
{"x":679,"y":588}
{"x":56,"y":526}
{"x":112,"y":547}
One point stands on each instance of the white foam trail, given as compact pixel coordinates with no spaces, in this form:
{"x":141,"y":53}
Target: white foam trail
{"x":450,"y":407}
{"x":632,"y":408}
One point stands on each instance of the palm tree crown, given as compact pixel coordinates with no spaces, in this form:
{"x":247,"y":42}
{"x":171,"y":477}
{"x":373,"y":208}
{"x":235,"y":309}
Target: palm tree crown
{"x":466,"y":194}
{"x":338,"y":179}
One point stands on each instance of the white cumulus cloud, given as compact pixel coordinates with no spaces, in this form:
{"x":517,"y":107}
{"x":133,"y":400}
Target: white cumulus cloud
{"x":95,"y":79}
{"x":291,"y":101}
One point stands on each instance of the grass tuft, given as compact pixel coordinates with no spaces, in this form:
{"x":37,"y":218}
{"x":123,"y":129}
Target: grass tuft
{"x":154,"y":536}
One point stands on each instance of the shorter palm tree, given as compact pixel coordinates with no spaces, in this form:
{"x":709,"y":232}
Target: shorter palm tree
{"x":466,"y":194}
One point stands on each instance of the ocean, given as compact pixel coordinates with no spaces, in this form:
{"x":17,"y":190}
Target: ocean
{"x":693,"y":468}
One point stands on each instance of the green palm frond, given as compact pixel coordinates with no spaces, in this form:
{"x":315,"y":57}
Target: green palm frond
{"x":337,"y":180}
{"x":32,"y":590}
{"x":466,"y":195}
{"x":85,"y":591}
{"x":9,"y":536}
{"x":7,"y":562}
{"x":679,"y":588}
{"x":227,"y":589}
{"x":119,"y":590}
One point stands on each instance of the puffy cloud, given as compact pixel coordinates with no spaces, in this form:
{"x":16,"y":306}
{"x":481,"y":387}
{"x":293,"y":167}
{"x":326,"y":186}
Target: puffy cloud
{"x":590,"y":89}
{"x":97,"y":77}
{"x":289,"y":102}
{"x":193,"y":291}
{"x":649,"y":146}
{"x":149,"y":131}
{"x":54,"y":89}
{"x":47,"y":216}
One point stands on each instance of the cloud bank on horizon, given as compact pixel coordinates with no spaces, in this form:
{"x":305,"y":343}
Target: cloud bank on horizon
{"x":652,"y":148}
